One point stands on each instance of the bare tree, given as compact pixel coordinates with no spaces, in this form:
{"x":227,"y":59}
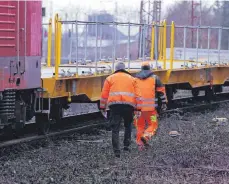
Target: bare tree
{"x":180,"y":13}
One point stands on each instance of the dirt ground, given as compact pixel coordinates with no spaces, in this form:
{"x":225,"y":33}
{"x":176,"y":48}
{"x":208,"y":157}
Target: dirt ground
{"x":199,"y":155}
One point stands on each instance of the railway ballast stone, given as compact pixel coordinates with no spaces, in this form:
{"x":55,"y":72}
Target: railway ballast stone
{"x":199,"y":155}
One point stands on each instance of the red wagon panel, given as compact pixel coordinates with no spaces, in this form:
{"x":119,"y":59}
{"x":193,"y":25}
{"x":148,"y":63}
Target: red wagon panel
{"x":20,"y":44}
{"x":8,"y":28}
{"x":20,"y":28}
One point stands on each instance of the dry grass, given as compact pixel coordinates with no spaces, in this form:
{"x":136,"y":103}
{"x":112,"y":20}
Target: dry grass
{"x":199,"y":155}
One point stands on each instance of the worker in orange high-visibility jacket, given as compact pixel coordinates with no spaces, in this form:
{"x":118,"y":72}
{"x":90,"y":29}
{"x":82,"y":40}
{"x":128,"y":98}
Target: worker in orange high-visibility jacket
{"x":151,"y":89}
{"x":119,"y":94}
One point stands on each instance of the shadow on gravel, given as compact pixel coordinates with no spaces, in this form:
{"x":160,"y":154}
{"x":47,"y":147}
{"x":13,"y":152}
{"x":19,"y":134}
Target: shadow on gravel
{"x":199,"y":155}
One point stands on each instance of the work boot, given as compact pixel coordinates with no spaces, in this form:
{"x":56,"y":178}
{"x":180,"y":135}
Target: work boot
{"x":141,"y":147}
{"x":117,"y":154}
{"x":145,"y":142}
{"x":127,"y":149}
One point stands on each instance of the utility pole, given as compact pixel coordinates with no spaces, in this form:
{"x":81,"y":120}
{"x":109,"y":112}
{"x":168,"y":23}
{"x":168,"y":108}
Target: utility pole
{"x":150,"y":11}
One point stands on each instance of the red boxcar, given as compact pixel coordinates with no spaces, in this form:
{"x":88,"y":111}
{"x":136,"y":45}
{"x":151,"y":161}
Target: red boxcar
{"x":20,"y":44}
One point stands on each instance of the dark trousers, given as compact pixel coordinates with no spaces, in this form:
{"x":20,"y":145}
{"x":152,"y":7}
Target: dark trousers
{"x":117,"y":113}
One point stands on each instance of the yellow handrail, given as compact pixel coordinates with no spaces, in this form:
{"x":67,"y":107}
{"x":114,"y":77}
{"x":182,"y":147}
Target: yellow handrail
{"x":56,"y":47}
{"x":60,"y":39}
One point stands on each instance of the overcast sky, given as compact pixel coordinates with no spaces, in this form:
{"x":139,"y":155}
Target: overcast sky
{"x":108,"y":5}
{"x":98,"y":4}
{"x":89,"y":6}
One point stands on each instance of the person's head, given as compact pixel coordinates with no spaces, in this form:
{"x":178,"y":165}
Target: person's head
{"x":145,"y":66}
{"x":120,"y":66}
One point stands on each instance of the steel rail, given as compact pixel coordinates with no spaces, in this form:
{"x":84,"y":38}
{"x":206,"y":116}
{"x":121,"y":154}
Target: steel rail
{"x":196,"y":107}
{"x":52,"y":134}
{"x":200,"y":97}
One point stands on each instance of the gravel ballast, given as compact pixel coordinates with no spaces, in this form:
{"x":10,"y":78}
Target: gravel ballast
{"x":199,"y":155}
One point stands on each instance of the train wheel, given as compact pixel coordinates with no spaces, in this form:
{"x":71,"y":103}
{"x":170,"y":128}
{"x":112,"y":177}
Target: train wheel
{"x":195,"y":92}
{"x":43,"y":124}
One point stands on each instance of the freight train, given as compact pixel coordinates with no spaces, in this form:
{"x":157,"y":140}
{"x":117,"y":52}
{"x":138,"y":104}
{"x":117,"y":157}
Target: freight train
{"x":25,"y":93}
{"x":20,"y":61}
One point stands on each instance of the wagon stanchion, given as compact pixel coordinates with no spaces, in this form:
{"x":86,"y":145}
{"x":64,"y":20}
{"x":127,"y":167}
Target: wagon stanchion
{"x":164,"y":43}
{"x":60,"y":40}
{"x":115,"y":41}
{"x":144,"y":43}
{"x":184,"y":46}
{"x":100,"y":42}
{"x":156,"y":46}
{"x":197,"y":44}
{"x":219,"y":44}
{"x":71,"y":44}
{"x":152,"y":42}
{"x":77,"y":67}
{"x":113,"y":48}
{"x":49,"y":54}
{"x":172,"y":45}
{"x":160,"y":40}
{"x":128,"y":47}
{"x":56,"y":46}
{"x":96,"y":47}
{"x":209,"y":36}
{"x":140,"y":44}
{"x":85,"y":43}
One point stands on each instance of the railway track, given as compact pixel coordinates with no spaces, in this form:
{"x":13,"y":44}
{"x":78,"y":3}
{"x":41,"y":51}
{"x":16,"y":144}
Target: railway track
{"x":52,"y":134}
{"x":96,"y":120}
{"x":200,"y":98}
{"x":84,"y":122}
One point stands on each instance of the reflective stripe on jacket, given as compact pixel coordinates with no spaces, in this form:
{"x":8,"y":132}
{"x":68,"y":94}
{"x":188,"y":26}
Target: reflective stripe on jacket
{"x":120,"y":88}
{"x":150,"y":85}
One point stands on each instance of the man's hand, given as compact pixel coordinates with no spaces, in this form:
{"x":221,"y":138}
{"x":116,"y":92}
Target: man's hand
{"x":104,"y":112}
{"x":137,"y":114}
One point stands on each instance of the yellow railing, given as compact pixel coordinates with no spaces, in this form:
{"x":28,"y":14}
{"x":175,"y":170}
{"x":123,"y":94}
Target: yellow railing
{"x":58,"y":33}
{"x":160,"y":37}
{"x":162,"y":43}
